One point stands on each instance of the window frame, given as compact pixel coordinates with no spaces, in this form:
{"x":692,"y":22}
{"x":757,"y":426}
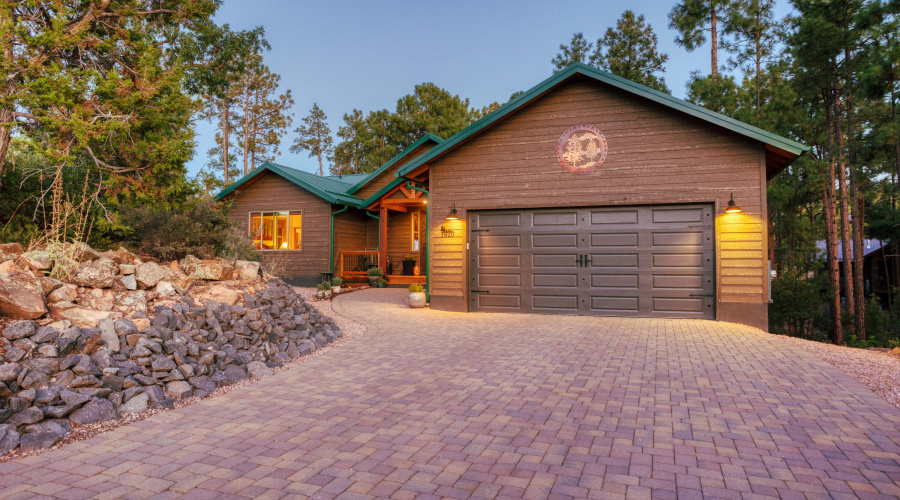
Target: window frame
{"x":275,"y":214}
{"x":415,"y":223}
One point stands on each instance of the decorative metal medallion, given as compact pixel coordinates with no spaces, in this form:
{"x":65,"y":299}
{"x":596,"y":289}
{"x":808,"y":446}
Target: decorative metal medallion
{"x":581,"y":149}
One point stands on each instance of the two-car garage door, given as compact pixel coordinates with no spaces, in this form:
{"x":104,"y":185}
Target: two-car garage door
{"x":655,"y":261}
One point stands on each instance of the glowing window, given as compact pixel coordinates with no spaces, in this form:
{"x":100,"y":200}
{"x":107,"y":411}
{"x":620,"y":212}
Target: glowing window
{"x":276,"y":230}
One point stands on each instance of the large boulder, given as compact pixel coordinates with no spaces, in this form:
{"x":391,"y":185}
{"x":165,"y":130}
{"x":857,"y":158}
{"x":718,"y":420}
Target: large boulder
{"x":10,"y":251}
{"x":66,"y":293}
{"x":136,"y":404}
{"x":149,"y":274}
{"x":99,"y":273}
{"x":19,"y":330}
{"x":96,"y":410}
{"x":178,"y":389}
{"x":10,"y":267}
{"x":246,"y":270}
{"x":220,"y":294}
{"x":108,"y":334}
{"x":80,"y":316}
{"x":81,"y":252}
{"x":21,"y":296}
{"x":9,"y":438}
{"x":209,"y":270}
{"x":38,"y":260}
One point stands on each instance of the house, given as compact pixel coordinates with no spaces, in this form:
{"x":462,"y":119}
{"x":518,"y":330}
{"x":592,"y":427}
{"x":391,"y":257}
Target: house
{"x":587,"y":194}
{"x":877,"y":268}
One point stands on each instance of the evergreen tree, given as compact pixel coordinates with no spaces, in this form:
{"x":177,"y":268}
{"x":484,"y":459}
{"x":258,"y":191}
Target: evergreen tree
{"x":630,"y":51}
{"x":315,"y":136}
{"x":578,"y":50}
{"x":754,"y":33}
{"x":692,"y":19}
{"x":264,"y":115}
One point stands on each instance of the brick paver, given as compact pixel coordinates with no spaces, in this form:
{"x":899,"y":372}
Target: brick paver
{"x":436,"y":404}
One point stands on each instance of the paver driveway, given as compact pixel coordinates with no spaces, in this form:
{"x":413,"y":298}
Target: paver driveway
{"x":479,"y":405}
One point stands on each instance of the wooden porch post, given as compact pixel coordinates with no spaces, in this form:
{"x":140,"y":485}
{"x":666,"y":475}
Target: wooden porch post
{"x":382,"y":240}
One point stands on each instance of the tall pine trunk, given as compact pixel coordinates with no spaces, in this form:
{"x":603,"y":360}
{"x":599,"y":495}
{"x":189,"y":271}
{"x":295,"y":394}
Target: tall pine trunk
{"x":831,"y":233}
{"x":845,"y":214}
{"x":246,"y":130}
{"x":714,"y":41}
{"x":858,"y":203}
{"x":226,"y":118}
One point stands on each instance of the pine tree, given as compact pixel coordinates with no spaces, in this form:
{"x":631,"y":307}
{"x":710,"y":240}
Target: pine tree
{"x":264,"y":115}
{"x":578,"y":50}
{"x":315,"y":136}
{"x":630,"y":51}
{"x":692,"y":19}
{"x":754,"y":33}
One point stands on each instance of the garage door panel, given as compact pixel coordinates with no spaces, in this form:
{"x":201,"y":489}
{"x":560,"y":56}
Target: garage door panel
{"x":499,"y":220}
{"x":493,"y":300}
{"x":614,"y":217}
{"x":561,"y":303}
{"x":614,"y":260}
{"x":677,"y":305}
{"x":678,"y":239}
{"x":684,"y":281}
{"x":614,"y":240}
{"x":615,"y":305}
{"x":489,"y":241}
{"x":555,"y":280}
{"x":489,"y":279}
{"x":554,"y":260}
{"x":677,"y":260}
{"x":499,"y":260}
{"x":555,"y":219}
{"x":677,"y":215}
{"x":554,"y":241}
{"x":619,"y":281}
{"x":622,"y":261}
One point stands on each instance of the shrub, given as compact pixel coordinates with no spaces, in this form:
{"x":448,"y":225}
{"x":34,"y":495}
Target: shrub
{"x":337,"y":282}
{"x":321,"y":287}
{"x":327,"y":285}
{"x":410,"y":258}
{"x":201,"y":228}
{"x":415,"y":288}
{"x":796,"y":304}
{"x":375,"y":271}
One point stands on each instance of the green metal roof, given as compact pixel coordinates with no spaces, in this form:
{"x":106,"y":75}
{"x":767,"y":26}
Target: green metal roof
{"x":329,"y":188}
{"x":393,"y":161}
{"x":739,"y":127}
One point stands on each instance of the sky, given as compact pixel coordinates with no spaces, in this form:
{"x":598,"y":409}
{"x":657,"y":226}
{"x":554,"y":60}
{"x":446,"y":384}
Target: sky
{"x":367,"y":54}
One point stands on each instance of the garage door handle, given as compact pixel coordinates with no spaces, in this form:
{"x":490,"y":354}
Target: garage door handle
{"x":481,"y":291}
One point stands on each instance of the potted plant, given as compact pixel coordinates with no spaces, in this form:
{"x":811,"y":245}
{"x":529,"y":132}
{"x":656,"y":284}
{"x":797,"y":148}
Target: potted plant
{"x":382,"y":283}
{"x":326,"y":287}
{"x":409,"y":263}
{"x":320,"y":291}
{"x":375,"y":274}
{"x":416,"y":296}
{"x":336,"y":285}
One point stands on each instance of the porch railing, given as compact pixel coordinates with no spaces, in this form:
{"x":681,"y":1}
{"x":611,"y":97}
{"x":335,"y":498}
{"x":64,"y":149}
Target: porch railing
{"x":357,"y":262}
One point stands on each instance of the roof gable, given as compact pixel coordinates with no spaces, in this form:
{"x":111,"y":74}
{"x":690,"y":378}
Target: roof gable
{"x":429,"y":137}
{"x":330,"y":188}
{"x":775,"y":141}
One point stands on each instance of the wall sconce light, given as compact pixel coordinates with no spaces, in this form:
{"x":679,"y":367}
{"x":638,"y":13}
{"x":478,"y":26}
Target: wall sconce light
{"x":452,"y":215}
{"x":732,"y":208}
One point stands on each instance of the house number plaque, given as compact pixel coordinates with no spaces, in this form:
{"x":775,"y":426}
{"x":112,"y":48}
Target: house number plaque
{"x":581,"y":149}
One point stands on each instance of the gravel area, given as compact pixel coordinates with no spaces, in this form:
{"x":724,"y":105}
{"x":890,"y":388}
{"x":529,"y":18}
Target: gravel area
{"x":877,"y":370}
{"x":351,"y":331}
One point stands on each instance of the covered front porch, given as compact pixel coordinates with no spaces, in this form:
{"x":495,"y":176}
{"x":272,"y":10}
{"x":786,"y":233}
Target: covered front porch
{"x":358,"y":262}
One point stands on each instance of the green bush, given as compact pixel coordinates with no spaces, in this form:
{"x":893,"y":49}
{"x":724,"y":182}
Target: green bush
{"x":201,"y":228}
{"x":321,"y":287}
{"x":796,"y":308}
{"x":415,"y":288}
{"x":337,"y":282}
{"x":375,"y":271}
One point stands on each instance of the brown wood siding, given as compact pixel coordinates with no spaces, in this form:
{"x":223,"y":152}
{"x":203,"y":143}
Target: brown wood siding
{"x":349,"y":232}
{"x":271,"y":192}
{"x":398,"y":240}
{"x":371,"y":233}
{"x":388,"y":176}
{"x":656,"y":156}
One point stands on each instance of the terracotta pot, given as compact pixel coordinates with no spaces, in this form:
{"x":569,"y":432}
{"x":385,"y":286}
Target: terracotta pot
{"x":416,"y":299}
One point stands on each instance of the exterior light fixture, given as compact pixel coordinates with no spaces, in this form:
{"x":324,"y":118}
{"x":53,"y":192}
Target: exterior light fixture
{"x":452,"y":215}
{"x":732,"y":208}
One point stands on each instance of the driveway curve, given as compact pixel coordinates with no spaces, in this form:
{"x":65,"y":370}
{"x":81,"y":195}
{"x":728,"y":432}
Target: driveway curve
{"x":438,"y":404}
